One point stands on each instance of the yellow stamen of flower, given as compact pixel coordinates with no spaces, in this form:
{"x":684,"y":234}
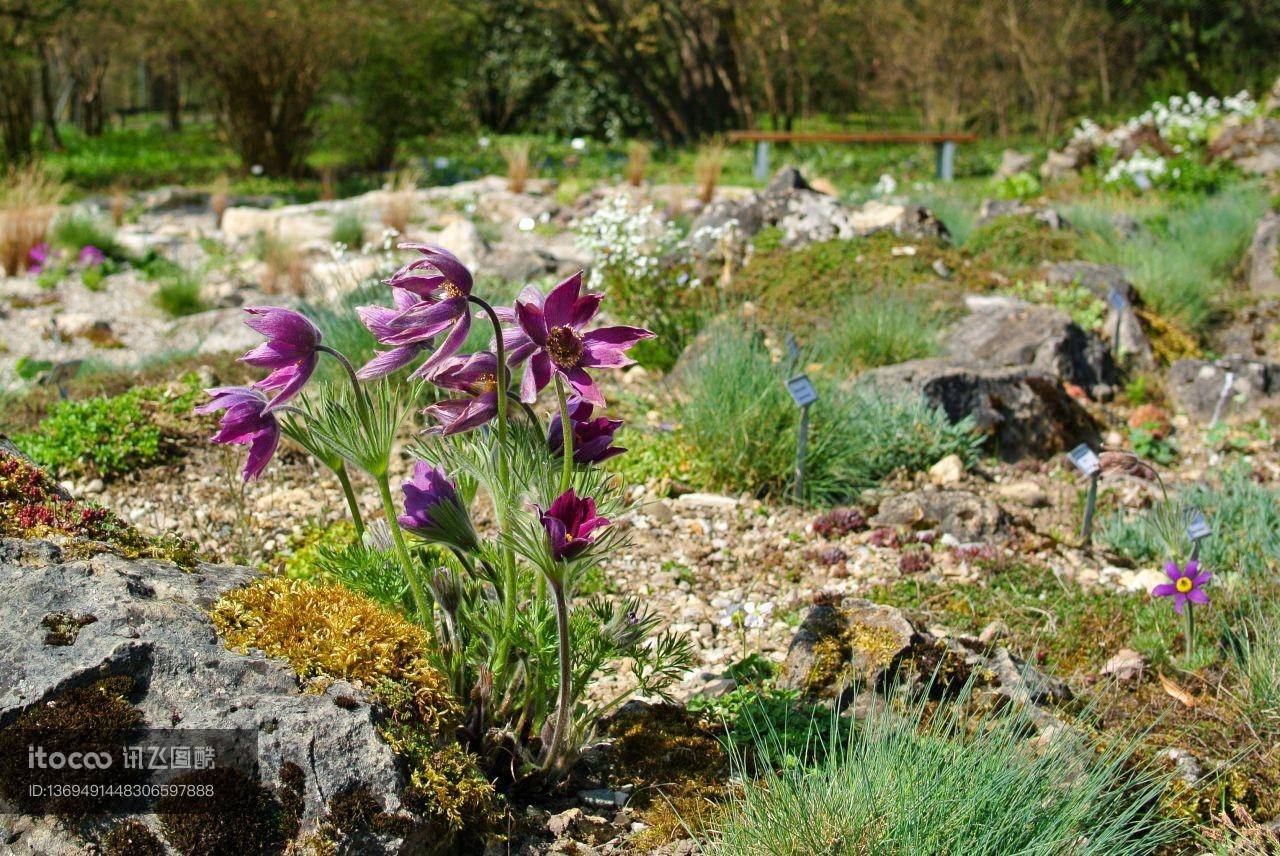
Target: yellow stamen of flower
{"x":485,"y":383}
{"x":564,"y":347}
{"x":451,"y":290}
{"x":1184,"y":585}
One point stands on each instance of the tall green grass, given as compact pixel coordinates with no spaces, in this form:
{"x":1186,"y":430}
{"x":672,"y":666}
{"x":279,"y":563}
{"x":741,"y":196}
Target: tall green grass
{"x":1258,"y":663}
{"x":1182,"y":258}
{"x":74,"y":232}
{"x":947,"y":786}
{"x":878,"y":332}
{"x":737,"y":417}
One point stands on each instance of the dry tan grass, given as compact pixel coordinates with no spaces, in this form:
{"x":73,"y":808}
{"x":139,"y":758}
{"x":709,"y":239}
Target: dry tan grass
{"x":29,"y":198}
{"x":400,"y":202}
{"x":707,"y":167}
{"x":519,"y":165}
{"x":119,"y":206}
{"x":220,"y":199}
{"x":638,"y":153}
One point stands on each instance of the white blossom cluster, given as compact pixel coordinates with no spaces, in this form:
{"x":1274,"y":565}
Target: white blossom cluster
{"x":1181,"y":120}
{"x":628,"y":243}
{"x":1141,"y":164}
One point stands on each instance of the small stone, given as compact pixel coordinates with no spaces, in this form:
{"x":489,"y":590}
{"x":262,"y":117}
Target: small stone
{"x":1126,"y":665}
{"x":949,"y":470}
{"x":1025,"y":493}
{"x":708,"y":501}
{"x":992,"y":632}
{"x":94,"y":486}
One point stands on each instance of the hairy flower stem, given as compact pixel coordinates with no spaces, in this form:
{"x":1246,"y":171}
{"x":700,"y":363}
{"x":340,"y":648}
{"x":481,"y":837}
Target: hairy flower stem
{"x":566,"y":431}
{"x":564,"y":706}
{"x":350,"y":494}
{"x":1191,"y":627}
{"x":420,"y":600}
{"x":346,"y":365}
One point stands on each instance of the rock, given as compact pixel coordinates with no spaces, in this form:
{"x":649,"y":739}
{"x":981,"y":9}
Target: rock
{"x":1077,"y":154}
{"x":1240,"y":386}
{"x":993,"y":209}
{"x":166,"y":199}
{"x":858,"y":643}
{"x":1013,"y":162}
{"x":708,"y":501}
{"x":949,"y":470}
{"x":576,"y":825}
{"x":464,"y":240}
{"x":993,"y":632}
{"x":150,"y":623}
{"x":1020,"y":682}
{"x":1012,"y":334}
{"x":1252,"y":144}
{"x":1263,"y":261}
{"x":1028,"y":494}
{"x":1023,"y":411}
{"x":958,"y":513}
{"x":1126,"y":665}
{"x":1102,"y":280}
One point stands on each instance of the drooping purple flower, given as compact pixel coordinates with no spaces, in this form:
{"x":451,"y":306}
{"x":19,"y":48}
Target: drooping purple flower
{"x":433,"y":509}
{"x":592,"y":438}
{"x":476,"y":375}
{"x":248,"y":420}
{"x":1186,"y":584}
{"x":91,"y":256}
{"x":36,"y":257}
{"x":432,"y":297}
{"x":290,"y":350}
{"x":560,"y":346}
{"x":569,"y":523}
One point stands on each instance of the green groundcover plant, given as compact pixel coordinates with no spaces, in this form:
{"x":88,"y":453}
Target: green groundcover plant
{"x":500,"y":606}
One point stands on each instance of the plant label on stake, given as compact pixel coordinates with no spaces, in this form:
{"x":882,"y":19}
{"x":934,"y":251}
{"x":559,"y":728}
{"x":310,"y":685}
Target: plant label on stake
{"x":60,"y":374}
{"x":1197,"y":528}
{"x":804,"y":395}
{"x":1086,"y":461}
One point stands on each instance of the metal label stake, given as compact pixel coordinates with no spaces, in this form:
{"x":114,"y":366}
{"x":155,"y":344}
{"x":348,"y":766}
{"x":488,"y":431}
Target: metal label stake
{"x":804,"y":395}
{"x":1086,"y":461}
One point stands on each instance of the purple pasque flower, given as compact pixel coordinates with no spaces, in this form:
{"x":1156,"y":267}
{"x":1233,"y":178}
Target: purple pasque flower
{"x":560,"y":346}
{"x":37,"y":256}
{"x":433,"y":509}
{"x":1186,"y":584}
{"x":592,"y":438}
{"x":91,"y":256}
{"x":476,"y":375}
{"x":430,"y":294}
{"x":248,"y":420}
{"x":569,"y":523}
{"x":291,"y":350}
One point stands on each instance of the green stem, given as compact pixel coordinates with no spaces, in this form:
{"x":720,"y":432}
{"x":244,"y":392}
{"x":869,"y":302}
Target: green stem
{"x":503,"y":375}
{"x":566,"y":431}
{"x":346,"y":365}
{"x":420,"y":600}
{"x":564,"y":707}
{"x":1191,"y":628}
{"x":347,"y":490}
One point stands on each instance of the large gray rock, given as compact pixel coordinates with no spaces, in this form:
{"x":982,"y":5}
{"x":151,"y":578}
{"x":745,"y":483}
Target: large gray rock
{"x":1252,"y":144}
{"x":1103,"y":280}
{"x":806,"y":216}
{"x":147,"y":620}
{"x":1022,"y":411}
{"x":1013,"y":162}
{"x":1232,"y":387}
{"x":963,"y":515}
{"x":1001,"y":333}
{"x":1263,"y":262}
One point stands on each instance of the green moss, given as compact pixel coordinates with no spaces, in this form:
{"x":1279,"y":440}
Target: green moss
{"x":353,"y":811}
{"x":242,"y":817}
{"x":131,"y":838}
{"x":63,"y":628}
{"x":1013,"y":246}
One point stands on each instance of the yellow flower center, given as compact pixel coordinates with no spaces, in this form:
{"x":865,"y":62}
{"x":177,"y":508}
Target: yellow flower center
{"x":1184,"y":585}
{"x":564,"y":347}
{"x":485,"y":383}
{"x":451,"y":290}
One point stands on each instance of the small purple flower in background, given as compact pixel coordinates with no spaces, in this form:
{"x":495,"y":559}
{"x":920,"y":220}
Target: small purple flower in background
{"x":560,"y":346}
{"x":592,"y":438}
{"x":247,"y":421}
{"x":433,"y":509}
{"x":569,"y":523}
{"x":290,"y":350}
{"x":476,"y":375}
{"x":91,"y":256}
{"x":36,"y":257}
{"x":440,"y":285}
{"x":1187,"y":584}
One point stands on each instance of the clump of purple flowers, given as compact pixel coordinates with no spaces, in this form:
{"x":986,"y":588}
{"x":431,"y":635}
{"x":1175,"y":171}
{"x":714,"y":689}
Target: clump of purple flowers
{"x":839,"y":522}
{"x":485,"y":600}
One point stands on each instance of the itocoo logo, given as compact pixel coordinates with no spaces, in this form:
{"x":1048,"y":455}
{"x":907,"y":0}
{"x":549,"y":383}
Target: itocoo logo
{"x":39,"y":759}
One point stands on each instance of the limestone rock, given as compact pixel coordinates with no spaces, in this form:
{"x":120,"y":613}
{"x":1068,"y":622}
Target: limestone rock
{"x":857,"y":643}
{"x":960,"y":514}
{"x":1263,"y":262}
{"x":1197,"y":387}
{"x":949,"y":470}
{"x":1013,"y":162}
{"x":1102,"y":280}
{"x":1028,"y":494}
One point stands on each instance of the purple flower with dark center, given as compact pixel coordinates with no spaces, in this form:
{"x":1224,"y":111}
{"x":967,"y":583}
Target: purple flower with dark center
{"x":476,"y":375}
{"x":569,"y":523}
{"x":248,"y":420}
{"x":434,"y":296}
{"x":433,"y":509}
{"x":91,"y":256}
{"x":1186,"y":584}
{"x":291,"y":350}
{"x":559,"y":344}
{"x":36,"y":257}
{"x":592,"y":438}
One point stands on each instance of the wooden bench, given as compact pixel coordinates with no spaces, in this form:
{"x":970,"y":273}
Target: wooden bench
{"x":944,"y":143}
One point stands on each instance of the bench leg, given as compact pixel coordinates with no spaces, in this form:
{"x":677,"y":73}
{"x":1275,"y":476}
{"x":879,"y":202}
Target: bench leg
{"x":946,"y":161}
{"x":761,"y":170}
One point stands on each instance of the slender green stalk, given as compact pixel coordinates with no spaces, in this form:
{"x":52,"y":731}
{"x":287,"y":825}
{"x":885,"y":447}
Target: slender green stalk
{"x":566,"y":430}
{"x":350,"y":369}
{"x":420,"y":599}
{"x":1191,"y":627}
{"x":350,"y":494}
{"x":564,"y":706}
